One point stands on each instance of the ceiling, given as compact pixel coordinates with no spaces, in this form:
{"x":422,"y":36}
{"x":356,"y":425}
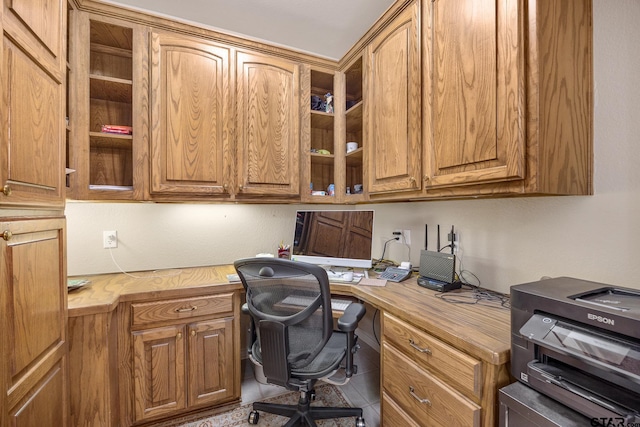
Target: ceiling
{"x":328,"y":28}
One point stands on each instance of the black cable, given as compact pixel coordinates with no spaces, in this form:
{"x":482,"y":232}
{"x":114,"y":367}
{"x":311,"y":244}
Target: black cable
{"x":373,"y":326}
{"x":384,"y":248}
{"x":479,"y":296}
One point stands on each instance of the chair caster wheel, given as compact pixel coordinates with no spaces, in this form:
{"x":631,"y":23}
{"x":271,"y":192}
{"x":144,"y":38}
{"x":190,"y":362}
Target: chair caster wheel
{"x":254,"y":416}
{"x":360,"y":422}
{"x":312,"y":395}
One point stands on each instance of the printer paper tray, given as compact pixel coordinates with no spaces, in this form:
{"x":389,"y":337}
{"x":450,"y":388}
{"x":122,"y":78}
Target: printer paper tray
{"x":583,"y":393}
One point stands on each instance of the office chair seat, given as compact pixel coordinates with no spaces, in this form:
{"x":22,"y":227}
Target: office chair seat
{"x":324,"y":364}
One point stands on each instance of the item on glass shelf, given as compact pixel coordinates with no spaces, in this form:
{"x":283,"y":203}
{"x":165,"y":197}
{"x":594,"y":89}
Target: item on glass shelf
{"x":122,"y":130}
{"x":317,"y":104}
{"x":352,"y":146}
{"x":329,"y":103}
{"x":357,"y":188}
{"x":331,"y":190}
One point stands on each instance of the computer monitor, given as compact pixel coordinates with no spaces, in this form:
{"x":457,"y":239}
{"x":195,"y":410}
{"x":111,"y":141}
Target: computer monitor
{"x":334,"y":238}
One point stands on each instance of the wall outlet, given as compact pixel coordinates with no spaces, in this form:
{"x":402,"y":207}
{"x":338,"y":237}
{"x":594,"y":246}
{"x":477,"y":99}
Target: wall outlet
{"x":109,"y":239}
{"x":406,"y":234}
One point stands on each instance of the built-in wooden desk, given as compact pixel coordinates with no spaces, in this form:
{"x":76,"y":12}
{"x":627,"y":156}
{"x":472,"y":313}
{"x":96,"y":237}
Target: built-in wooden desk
{"x":456,"y":354}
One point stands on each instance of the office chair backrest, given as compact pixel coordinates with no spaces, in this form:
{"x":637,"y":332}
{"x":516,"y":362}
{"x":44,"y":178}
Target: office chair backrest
{"x":290,"y":303}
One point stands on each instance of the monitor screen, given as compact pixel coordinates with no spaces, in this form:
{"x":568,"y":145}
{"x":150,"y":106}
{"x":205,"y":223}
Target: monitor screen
{"x":334,"y":238}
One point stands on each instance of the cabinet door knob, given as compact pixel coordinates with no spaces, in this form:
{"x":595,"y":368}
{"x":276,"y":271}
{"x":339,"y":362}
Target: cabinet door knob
{"x":7,"y":235}
{"x":426,"y":178}
{"x":179,"y":336}
{"x":418,"y":398}
{"x":240,"y":187}
{"x":193,"y":333}
{"x":420,"y":349}
{"x":6,"y":190}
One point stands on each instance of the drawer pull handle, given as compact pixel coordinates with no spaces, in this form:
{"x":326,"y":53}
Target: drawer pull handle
{"x":186,"y":309}
{"x":421,"y":350}
{"x":7,"y":235}
{"x":419,"y":399}
{"x":6,"y":190}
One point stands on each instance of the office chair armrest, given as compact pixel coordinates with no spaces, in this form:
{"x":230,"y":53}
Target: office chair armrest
{"x":352,"y":315}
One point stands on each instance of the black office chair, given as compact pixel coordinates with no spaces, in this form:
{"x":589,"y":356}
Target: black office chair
{"x":292,"y":341}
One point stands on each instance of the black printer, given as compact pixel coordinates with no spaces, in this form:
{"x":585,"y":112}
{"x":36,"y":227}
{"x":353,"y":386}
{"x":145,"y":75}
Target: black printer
{"x":578,"y":342}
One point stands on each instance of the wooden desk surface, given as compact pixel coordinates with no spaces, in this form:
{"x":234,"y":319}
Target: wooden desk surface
{"x":481,"y":331}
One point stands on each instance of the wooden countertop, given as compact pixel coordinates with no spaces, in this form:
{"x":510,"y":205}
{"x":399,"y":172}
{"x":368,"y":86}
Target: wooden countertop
{"x":479,"y":330}
{"x":106,"y":291}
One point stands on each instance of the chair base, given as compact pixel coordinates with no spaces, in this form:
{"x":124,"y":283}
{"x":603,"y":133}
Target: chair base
{"x":305,"y":414}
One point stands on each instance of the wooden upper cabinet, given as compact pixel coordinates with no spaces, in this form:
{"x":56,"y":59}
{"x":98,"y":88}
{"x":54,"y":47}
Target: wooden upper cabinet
{"x":108,"y":85}
{"x":33,"y":74}
{"x":268,"y":126}
{"x":473,"y":94}
{"x":392,"y":105}
{"x":507,"y":98}
{"x":190,"y":116}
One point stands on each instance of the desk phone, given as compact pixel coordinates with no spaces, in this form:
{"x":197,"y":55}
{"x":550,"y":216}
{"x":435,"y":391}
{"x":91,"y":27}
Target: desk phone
{"x":395,"y":274}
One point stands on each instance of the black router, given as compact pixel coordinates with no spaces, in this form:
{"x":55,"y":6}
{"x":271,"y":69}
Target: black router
{"x":437,"y":269}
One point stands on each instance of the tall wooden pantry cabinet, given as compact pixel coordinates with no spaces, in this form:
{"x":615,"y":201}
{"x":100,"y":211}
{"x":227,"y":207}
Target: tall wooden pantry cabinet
{"x":33,"y":296}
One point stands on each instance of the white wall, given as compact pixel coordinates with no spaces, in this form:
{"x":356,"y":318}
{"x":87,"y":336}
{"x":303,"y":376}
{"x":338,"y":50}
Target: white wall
{"x":502,"y":241}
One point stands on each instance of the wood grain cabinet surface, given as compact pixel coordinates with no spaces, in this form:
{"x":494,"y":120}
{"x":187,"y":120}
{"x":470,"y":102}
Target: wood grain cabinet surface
{"x":32,"y":115}
{"x":392,"y":105}
{"x":268,"y":126}
{"x":184,"y":355}
{"x":431,"y":382}
{"x":34,"y":327}
{"x":108,"y":86}
{"x":507,"y":98}
{"x":191,"y":113}
{"x":34,"y":386}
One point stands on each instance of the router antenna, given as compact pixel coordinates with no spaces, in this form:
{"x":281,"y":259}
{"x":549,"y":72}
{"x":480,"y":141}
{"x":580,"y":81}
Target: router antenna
{"x":438,"y":247}
{"x":426,"y":240}
{"x":453,"y":238}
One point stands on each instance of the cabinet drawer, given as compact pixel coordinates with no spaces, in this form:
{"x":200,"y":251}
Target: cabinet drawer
{"x":183,"y":308}
{"x":421,"y":395}
{"x":452,"y":365}
{"x":393,"y":415}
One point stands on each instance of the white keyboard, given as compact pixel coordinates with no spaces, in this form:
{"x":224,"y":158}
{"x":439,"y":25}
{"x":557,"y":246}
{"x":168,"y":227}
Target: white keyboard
{"x":303,"y":301}
{"x":341,"y":277}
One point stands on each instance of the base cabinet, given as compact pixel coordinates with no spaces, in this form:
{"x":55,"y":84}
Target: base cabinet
{"x":426,"y":381}
{"x":184,"y":366}
{"x":34,"y":329}
{"x":184,"y":356}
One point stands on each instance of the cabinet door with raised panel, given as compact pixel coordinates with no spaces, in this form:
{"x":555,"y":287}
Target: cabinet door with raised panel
{"x":190,"y":113}
{"x":473,"y":94}
{"x":32,"y":109}
{"x":393,"y":106}
{"x":268,"y":126}
{"x":211,"y":361}
{"x":159,"y":377}
{"x":33,"y":315}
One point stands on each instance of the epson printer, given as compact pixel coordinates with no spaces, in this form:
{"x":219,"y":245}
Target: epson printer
{"x":578,"y":342}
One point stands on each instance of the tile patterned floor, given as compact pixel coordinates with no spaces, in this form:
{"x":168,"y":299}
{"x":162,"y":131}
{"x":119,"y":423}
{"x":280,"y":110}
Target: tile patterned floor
{"x":362,"y":390}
